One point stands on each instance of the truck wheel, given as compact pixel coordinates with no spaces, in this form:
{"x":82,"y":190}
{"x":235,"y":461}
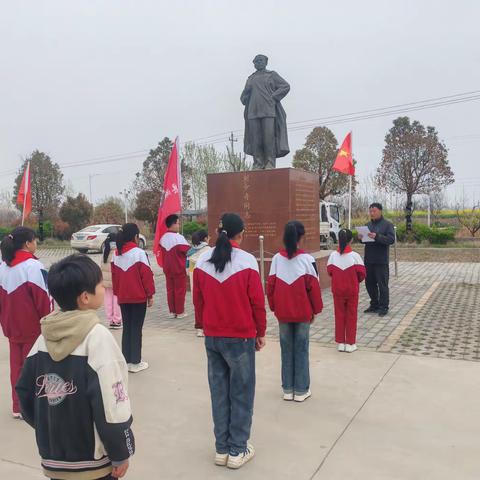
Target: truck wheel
{"x":330,"y":242}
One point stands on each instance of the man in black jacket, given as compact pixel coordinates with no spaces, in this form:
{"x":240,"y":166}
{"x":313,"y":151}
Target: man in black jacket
{"x":376,"y":260}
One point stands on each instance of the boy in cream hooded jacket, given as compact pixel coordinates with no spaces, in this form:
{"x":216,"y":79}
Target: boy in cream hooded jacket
{"x":73,"y":389}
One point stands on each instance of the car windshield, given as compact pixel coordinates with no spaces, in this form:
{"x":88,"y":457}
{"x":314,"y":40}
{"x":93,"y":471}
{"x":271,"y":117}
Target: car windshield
{"x":90,"y":229}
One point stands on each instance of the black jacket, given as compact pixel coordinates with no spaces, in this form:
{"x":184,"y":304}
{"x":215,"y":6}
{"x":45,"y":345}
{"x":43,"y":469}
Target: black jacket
{"x":378,"y":251}
{"x":79,"y":407}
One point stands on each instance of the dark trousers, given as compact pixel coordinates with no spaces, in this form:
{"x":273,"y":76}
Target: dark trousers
{"x":263,"y":135}
{"x":108,"y":477}
{"x":377,"y":285}
{"x":133,"y":315}
{"x":231,"y":376}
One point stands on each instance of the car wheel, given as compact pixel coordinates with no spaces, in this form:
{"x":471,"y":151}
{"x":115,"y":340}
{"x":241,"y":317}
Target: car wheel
{"x":82,"y":250}
{"x":330,"y":242}
{"x":141,"y":244}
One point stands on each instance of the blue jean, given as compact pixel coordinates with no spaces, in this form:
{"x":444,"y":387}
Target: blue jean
{"x":231,"y":376}
{"x":294,"y":343}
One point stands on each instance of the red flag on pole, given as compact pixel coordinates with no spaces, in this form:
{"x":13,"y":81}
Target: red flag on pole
{"x":24,"y":197}
{"x":344,"y":161}
{"x":171,"y":201}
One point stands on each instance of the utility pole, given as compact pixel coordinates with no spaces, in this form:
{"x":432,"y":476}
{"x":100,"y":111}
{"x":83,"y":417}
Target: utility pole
{"x":232,"y":139}
{"x":125,"y":194}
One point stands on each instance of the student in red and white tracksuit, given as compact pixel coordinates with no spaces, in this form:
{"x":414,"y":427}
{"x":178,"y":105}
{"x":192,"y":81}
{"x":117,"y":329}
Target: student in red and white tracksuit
{"x":134,"y":286}
{"x":24,"y":299}
{"x":347,"y":271}
{"x":295,"y":297}
{"x":230,"y":307}
{"x":174,"y":251}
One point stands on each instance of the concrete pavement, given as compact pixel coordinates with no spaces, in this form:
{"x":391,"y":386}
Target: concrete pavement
{"x":372,"y":416}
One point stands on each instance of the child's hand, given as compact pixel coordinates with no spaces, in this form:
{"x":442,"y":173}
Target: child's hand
{"x":121,"y":470}
{"x":260,"y":342}
{"x":150,"y":302}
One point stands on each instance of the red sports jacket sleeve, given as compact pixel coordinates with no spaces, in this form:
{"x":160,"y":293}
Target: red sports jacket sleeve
{"x":113,"y":269}
{"x":146,"y":274}
{"x":197,"y":298}
{"x":361,"y":272}
{"x":41,"y":300}
{"x":257,"y":301}
{"x":314,"y":293}
{"x":330,"y":269}
{"x":271,"y":291}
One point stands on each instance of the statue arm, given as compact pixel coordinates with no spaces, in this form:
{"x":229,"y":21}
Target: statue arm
{"x":245,"y":96}
{"x":281,"y":87}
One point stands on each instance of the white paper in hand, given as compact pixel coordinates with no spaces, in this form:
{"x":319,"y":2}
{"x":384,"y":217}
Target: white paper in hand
{"x":364,"y":231}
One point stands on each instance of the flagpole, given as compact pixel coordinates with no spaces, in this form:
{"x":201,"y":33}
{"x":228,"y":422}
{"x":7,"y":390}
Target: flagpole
{"x":179,"y":166}
{"x":350,"y":202}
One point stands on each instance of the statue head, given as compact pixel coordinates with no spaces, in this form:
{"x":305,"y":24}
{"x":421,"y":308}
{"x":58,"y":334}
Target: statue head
{"x":260,"y":62}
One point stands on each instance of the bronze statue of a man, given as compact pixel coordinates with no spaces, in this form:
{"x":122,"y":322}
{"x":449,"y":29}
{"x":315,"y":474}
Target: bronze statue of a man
{"x":265,"y":136}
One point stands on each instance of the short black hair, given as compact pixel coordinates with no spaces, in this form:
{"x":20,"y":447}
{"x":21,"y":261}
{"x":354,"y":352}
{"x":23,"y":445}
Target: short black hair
{"x":71,"y":276}
{"x":376,"y":205}
{"x":171,"y":219}
{"x":199,"y":236}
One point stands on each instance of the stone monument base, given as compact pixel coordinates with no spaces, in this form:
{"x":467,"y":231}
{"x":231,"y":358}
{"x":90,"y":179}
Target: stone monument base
{"x":267,"y":200}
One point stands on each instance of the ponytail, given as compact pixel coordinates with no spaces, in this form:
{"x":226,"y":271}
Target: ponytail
{"x":230,"y":226}
{"x":15,"y":241}
{"x":292,"y":234}
{"x":344,"y":238}
{"x":108,"y":246}
{"x":126,"y":234}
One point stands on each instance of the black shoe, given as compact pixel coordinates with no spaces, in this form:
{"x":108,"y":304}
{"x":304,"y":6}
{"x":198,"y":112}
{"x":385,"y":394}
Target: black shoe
{"x":371,"y":310}
{"x":382,"y":313}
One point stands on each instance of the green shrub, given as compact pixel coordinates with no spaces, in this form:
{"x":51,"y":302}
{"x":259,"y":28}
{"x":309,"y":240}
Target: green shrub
{"x":422,"y":233}
{"x":4,"y":231}
{"x":190,"y":227}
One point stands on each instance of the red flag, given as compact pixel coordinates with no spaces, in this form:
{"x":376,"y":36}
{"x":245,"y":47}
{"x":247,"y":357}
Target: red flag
{"x":171,"y":201}
{"x":24,"y":197}
{"x":344,"y":161}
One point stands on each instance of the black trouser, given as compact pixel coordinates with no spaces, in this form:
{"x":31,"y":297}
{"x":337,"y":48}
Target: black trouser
{"x":377,"y":285}
{"x":133,"y":315}
{"x":263,"y":135}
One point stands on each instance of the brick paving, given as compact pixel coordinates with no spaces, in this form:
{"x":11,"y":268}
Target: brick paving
{"x":447,"y":325}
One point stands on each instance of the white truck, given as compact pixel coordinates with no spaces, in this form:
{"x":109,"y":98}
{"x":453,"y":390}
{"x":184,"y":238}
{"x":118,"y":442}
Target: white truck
{"x":331,"y":220}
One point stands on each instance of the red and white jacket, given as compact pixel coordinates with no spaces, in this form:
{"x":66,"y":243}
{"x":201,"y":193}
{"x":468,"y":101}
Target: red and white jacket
{"x":347,"y":271}
{"x":174,"y":251}
{"x":293,"y":289}
{"x":24,"y":297}
{"x":132,"y":276}
{"x":230,"y":303}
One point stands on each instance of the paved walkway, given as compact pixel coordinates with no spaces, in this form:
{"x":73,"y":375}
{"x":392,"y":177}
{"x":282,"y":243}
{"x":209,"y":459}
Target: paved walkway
{"x":447,"y":325}
{"x":376,"y":416}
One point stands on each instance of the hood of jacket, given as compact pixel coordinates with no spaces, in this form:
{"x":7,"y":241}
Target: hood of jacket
{"x":65,"y":331}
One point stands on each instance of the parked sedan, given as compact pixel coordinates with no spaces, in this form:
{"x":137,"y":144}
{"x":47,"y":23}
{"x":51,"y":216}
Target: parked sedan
{"x":94,"y":236}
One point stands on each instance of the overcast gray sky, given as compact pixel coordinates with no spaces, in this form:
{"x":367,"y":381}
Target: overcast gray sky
{"x":87,"y":79}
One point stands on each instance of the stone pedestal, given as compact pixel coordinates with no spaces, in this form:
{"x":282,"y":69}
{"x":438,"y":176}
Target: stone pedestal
{"x":266,"y":200}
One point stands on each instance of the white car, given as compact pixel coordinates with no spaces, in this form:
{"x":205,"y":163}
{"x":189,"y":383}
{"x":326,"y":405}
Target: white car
{"x":94,"y":236}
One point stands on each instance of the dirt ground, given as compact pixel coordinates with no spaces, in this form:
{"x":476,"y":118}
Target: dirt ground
{"x":432,"y":254}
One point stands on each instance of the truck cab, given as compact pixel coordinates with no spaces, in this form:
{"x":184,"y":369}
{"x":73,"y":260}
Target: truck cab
{"x":331,"y":220}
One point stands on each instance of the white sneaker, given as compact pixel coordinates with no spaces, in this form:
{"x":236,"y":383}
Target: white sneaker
{"x":200,"y":333}
{"x":288,"y":396}
{"x":172,"y":315}
{"x":351,"y":348}
{"x":182,"y":315}
{"x":17,"y":416}
{"x":221,"y":459}
{"x":137,"y":367}
{"x":237,"y":461}
{"x":302,"y":398}
{"x":341,"y":347}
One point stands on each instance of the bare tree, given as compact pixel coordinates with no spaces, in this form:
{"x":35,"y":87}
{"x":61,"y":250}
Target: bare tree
{"x":414,"y":161}
{"x":470,"y":219}
{"x":236,"y":162}
{"x":201,"y":160}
